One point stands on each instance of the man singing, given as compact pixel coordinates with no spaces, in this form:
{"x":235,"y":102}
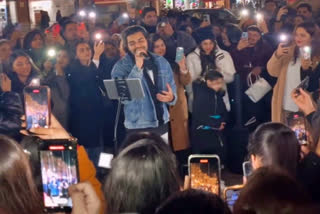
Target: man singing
{"x":149,"y":113}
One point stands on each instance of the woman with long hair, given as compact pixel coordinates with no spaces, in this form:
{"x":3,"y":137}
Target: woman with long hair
{"x":208,"y":57}
{"x":22,"y":71}
{"x":143,"y":175}
{"x":291,"y":65}
{"x":34,"y":45}
{"x":18,"y":192}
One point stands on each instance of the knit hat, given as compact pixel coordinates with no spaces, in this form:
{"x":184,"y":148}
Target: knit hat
{"x":203,"y":34}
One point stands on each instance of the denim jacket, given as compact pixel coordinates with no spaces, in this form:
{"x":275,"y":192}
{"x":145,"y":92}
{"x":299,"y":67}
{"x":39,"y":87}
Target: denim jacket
{"x":141,"y":113}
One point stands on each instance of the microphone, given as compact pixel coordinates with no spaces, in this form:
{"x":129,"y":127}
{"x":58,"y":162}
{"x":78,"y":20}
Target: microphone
{"x":145,"y":56}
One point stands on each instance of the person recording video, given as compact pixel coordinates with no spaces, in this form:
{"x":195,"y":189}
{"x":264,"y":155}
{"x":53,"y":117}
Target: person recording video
{"x":149,"y":113}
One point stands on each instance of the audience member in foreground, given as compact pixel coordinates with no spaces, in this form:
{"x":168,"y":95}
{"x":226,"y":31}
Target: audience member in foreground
{"x":194,"y":201}
{"x":142,"y":176}
{"x":270,"y":191}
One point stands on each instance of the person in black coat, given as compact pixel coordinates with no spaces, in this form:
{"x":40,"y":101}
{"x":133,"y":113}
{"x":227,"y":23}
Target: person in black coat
{"x":209,"y":115}
{"x":86,"y":98}
{"x":11,"y":109}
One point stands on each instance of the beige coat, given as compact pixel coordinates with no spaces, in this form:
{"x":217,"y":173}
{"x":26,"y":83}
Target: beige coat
{"x":278,"y":67}
{"x":179,"y":114}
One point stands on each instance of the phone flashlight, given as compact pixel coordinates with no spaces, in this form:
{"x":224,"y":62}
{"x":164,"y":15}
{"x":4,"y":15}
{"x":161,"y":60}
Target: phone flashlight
{"x":35,"y":82}
{"x":307,"y":49}
{"x":245,"y":12}
{"x":125,"y":15}
{"x":92,"y":15}
{"x":52,"y":53}
{"x":259,"y":16}
{"x":82,"y":13}
{"x":283,"y":38}
{"x":98,"y":36}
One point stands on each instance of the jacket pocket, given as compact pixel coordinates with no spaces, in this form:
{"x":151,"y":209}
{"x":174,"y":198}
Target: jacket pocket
{"x":132,"y":111}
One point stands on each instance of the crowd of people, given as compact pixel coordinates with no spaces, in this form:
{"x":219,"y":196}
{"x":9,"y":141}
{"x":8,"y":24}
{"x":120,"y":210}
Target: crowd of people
{"x":192,"y":102}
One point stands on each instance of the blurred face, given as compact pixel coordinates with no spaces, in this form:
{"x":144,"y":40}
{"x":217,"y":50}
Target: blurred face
{"x":37,"y":42}
{"x":71,"y":32}
{"x":111,"y":51}
{"x":303,"y":11}
{"x":253,"y":38}
{"x":207,"y":46}
{"x":165,"y":31}
{"x":137,"y":42}
{"x":216,"y":85}
{"x":5,"y":52}
{"x":302,"y":37}
{"x":298,"y":20}
{"x":159,"y":47}
{"x":151,"y":18}
{"x":63,"y":59}
{"x":22,"y":66}
{"x":83,"y":52}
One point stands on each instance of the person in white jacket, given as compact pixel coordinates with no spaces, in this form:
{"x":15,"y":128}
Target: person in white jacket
{"x":208,"y":56}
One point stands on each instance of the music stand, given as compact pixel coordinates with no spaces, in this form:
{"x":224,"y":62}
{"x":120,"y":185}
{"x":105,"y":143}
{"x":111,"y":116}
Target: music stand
{"x":122,"y":90}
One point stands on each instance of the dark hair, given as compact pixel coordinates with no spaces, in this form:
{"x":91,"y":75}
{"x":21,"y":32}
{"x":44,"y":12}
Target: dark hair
{"x":152,"y":39}
{"x":65,"y":23}
{"x":208,"y":62}
{"x":31,"y":147}
{"x":277,"y":145}
{"x":30,"y":36}
{"x":130,"y":31}
{"x":146,"y":10}
{"x":19,"y":53}
{"x":173,"y":14}
{"x":306,"y":5}
{"x":271,"y":190}
{"x":194,"y":201}
{"x":254,"y":28}
{"x":311,"y":29}
{"x":142,"y":176}
{"x":18,"y":192}
{"x":213,"y":75}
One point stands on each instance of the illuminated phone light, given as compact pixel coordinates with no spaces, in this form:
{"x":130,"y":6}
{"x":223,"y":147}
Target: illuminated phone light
{"x":98,"y":36}
{"x":204,"y":161}
{"x":82,"y":13}
{"x":296,"y":116}
{"x":307,"y":49}
{"x":36,"y":91}
{"x":259,"y":16}
{"x":125,"y":15}
{"x":245,"y":12}
{"x":56,"y":148}
{"x":52,"y":53}
{"x":283,"y":38}
{"x":92,"y":15}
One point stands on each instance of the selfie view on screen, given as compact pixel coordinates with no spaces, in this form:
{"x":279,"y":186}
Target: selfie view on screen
{"x":59,"y":172}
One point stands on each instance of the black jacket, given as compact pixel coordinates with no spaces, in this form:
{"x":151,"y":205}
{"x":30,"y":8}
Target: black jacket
{"x":11,"y":110}
{"x":209,"y":108}
{"x":86,"y":103}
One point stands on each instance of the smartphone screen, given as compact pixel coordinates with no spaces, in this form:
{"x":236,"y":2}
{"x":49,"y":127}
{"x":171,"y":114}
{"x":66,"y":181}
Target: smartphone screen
{"x":297,"y":123}
{"x":232,"y":196}
{"x":244,"y":35}
{"x":37,"y":106}
{"x":247,"y":168}
{"x":59,"y":170}
{"x":204,"y":173}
